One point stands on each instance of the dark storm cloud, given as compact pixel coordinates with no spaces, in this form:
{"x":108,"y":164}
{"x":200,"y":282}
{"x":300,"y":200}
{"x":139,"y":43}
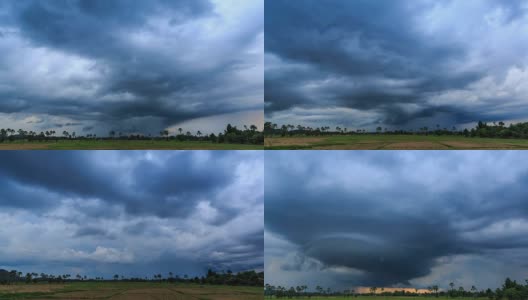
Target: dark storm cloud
{"x":393,"y":217}
{"x":174,"y":192}
{"x":140,"y":62}
{"x":91,"y":231}
{"x":138,"y":210}
{"x":380,"y":56}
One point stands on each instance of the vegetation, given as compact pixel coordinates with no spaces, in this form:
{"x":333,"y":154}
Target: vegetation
{"x":231,"y":135}
{"x":484,"y":136}
{"x":249,"y":278}
{"x":128,"y":291}
{"x":510,"y":290}
{"x":391,"y":142}
{"x":483,"y":130}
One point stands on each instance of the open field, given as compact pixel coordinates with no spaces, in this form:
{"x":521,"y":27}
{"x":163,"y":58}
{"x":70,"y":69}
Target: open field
{"x":128,"y":291}
{"x":383,"y":298}
{"x":391,"y":142}
{"x":124,"y":145}
{"x":387,"y":298}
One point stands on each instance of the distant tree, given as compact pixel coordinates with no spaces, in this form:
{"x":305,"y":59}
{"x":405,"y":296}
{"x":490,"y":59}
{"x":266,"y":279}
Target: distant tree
{"x":474,"y":291}
{"x":435,"y":290}
{"x":373,"y":290}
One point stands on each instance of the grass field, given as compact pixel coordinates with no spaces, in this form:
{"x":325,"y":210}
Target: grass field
{"x":391,"y":298}
{"x":391,"y":142}
{"x":128,"y":291}
{"x":123,"y":145}
{"x":385,"y":298}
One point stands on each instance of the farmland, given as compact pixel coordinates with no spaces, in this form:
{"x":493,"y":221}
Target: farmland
{"x":383,"y":298}
{"x":128,"y":291}
{"x":391,"y":142}
{"x":124,"y":145}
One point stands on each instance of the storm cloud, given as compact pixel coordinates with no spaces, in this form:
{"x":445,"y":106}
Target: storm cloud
{"x":137,"y":213}
{"x":395,"y":219}
{"x":398,"y":64}
{"x":138,"y":66}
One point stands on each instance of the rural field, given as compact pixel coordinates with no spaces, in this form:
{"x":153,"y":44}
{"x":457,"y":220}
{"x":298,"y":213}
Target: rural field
{"x":384,"y":298}
{"x":128,"y":291}
{"x":124,"y":145}
{"x":391,"y":142}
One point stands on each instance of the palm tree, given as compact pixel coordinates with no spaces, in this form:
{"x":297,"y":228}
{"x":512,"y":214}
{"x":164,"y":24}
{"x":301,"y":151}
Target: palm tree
{"x":319,"y":289}
{"x":373,"y":290}
{"x":164,"y":133}
{"x":435,"y":289}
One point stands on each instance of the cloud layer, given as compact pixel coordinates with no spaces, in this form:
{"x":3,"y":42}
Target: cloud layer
{"x":395,"y":63}
{"x":136,"y":213}
{"x":132,"y":67}
{"x":395,"y":219}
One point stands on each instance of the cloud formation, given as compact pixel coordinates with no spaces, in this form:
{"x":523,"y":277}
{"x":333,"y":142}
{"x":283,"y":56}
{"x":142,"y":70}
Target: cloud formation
{"x":395,"y":63}
{"x":137,"y":213}
{"x":395,"y":219}
{"x":132,"y":67}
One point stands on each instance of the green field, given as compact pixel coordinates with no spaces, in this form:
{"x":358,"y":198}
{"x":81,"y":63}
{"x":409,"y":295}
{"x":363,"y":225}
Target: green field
{"x":128,"y":291}
{"x":383,"y":298}
{"x":391,"y":142}
{"x":123,"y":145}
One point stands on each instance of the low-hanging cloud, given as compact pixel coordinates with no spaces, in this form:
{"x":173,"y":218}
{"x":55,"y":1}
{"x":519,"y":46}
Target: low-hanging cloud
{"x":92,"y":212}
{"x":396,"y":63}
{"x":400,"y":219}
{"x":132,"y":67}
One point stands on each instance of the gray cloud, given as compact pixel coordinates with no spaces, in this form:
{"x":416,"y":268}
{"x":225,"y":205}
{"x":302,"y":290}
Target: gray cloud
{"x":130,"y":66}
{"x":400,"y":219}
{"x":93,"y":212}
{"x":395,"y":63}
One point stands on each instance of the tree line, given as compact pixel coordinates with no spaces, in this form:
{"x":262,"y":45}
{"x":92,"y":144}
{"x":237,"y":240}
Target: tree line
{"x":482,"y":129}
{"x":230,"y":135}
{"x":247,"y":278}
{"x":510,"y":290}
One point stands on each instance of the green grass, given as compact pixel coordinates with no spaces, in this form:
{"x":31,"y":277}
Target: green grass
{"x":386,"y":298}
{"x":391,"y":142}
{"x":123,"y":145}
{"x":128,"y":290}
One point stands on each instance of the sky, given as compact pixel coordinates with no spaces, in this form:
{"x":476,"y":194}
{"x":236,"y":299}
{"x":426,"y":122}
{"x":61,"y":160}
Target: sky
{"x":396,"y":64}
{"x":92,"y":66}
{"x":132,"y":213}
{"x":396,"y":219}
